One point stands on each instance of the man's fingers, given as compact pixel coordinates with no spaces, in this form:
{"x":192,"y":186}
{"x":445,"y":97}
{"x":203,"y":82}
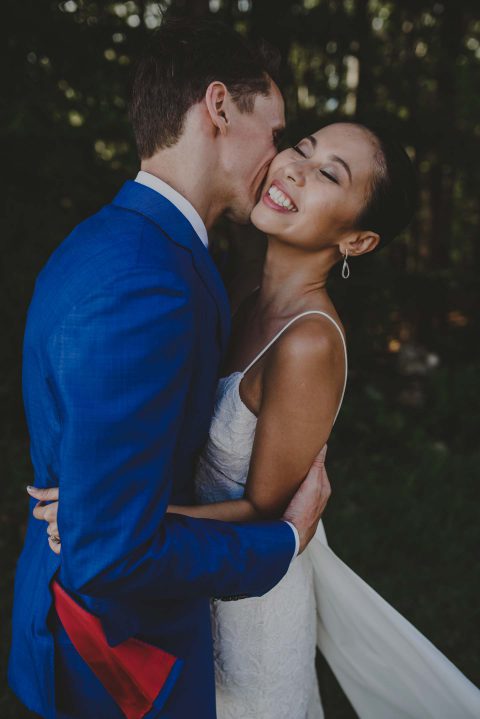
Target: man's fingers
{"x":319,"y":486}
{"x":52,"y":530}
{"x":319,"y":460}
{"x":325,"y":483}
{"x":49,"y":494}
{"x":328,"y":485}
{"x":323,"y":452}
{"x":42,"y":511}
{"x":50,"y":513}
{"x":54,"y":546}
{"x":54,"y":541}
{"x":326,"y":489}
{"x":46,"y":512}
{"x":39,"y":510}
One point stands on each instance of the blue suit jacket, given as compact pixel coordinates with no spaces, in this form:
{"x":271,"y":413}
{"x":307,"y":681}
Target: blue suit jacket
{"x":124,"y":339}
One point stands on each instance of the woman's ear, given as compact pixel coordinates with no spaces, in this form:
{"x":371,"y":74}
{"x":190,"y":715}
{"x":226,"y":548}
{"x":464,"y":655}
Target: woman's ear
{"x":359,"y":243}
{"x":217,"y":100}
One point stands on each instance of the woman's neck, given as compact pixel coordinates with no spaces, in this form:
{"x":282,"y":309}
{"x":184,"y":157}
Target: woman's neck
{"x":293,"y":279}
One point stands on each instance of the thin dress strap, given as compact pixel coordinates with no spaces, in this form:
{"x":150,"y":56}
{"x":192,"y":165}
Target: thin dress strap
{"x":294,"y":319}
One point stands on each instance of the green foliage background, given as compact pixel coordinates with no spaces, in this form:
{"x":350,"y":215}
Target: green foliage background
{"x":404,"y":458}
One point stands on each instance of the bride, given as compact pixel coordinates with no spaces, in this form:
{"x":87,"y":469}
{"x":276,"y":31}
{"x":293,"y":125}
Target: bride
{"x":339,"y":193}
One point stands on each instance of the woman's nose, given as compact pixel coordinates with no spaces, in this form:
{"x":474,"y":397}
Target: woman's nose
{"x":294,"y":173}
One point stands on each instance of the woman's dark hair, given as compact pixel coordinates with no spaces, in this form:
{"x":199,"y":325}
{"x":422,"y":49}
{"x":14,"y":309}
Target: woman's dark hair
{"x":393,"y":193}
{"x":184,"y":56}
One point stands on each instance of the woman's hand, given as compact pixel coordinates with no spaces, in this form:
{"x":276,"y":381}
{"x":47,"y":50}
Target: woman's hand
{"x":47,"y":513}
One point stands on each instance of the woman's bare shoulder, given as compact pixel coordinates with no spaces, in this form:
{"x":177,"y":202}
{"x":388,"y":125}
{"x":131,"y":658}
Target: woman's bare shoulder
{"x":302,"y":380}
{"x":310,"y":342}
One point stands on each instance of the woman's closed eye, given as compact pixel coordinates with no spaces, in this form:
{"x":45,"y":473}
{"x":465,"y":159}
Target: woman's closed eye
{"x":297,"y":149}
{"x":329,"y":175}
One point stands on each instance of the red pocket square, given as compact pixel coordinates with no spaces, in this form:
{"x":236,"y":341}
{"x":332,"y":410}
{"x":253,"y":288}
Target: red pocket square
{"x":133,"y":672}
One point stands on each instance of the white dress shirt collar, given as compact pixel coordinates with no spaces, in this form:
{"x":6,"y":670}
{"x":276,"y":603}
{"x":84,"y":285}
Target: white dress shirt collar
{"x":180,"y":202}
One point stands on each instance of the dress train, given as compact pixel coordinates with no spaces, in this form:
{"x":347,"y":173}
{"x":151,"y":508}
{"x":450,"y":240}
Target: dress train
{"x":386,"y":667}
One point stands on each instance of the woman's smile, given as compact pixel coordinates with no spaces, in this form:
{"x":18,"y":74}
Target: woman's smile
{"x":278,"y":199}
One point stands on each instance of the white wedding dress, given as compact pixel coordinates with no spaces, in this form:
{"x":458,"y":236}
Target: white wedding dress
{"x":264,"y":647}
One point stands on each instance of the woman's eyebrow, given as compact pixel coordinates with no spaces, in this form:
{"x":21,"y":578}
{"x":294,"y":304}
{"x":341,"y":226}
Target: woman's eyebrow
{"x":335,"y":158}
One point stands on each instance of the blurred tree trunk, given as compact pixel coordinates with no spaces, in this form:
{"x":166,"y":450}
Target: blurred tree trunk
{"x":365,"y":90}
{"x":197,"y":7}
{"x":190,"y":8}
{"x":416,"y":139}
{"x":269,"y":21}
{"x":442,"y":176}
{"x":227,"y":11}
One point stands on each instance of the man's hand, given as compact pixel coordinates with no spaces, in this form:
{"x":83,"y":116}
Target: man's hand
{"x":310,"y":500}
{"x":48,"y":513}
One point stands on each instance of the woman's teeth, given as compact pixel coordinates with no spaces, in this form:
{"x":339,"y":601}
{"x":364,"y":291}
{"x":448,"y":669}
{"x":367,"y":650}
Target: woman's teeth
{"x":280,"y":199}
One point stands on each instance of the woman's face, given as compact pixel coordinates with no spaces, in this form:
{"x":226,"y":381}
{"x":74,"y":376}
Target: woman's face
{"x":315,"y":191}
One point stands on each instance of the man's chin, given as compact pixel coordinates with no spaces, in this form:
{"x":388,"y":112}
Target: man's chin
{"x":240,"y":215}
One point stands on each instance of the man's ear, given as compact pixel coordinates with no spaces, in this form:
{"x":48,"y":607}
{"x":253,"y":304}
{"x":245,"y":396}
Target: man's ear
{"x":217,"y":100}
{"x":359,"y":243}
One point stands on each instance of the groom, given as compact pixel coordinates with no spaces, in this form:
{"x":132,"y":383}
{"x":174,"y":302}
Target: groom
{"x":125,"y":335}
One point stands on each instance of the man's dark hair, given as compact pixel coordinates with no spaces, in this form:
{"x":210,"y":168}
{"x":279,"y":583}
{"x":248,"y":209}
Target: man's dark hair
{"x":392,"y":200}
{"x":183,"y":58}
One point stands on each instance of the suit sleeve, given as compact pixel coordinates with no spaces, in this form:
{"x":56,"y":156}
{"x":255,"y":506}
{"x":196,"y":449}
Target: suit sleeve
{"x":121,"y":365}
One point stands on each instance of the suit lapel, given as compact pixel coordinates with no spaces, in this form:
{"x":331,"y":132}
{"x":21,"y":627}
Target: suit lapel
{"x":139,"y":198}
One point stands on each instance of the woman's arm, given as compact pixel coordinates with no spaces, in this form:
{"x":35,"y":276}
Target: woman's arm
{"x":235,"y":510}
{"x":239,"y":510}
{"x":302,"y":385}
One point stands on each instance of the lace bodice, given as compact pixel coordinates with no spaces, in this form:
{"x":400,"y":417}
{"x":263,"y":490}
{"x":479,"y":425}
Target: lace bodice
{"x":223,"y":466}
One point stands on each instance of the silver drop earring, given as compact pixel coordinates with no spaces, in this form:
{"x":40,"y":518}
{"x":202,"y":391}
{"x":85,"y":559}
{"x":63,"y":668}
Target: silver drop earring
{"x":345,"y":267}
